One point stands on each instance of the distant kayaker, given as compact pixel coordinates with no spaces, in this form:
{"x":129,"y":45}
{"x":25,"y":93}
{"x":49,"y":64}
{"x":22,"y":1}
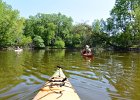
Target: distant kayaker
{"x":18,"y":48}
{"x":87,"y":49}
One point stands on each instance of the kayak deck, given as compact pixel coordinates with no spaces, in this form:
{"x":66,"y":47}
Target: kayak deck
{"x":57,"y":88}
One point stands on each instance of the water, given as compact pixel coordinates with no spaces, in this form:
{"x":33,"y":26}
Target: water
{"x":107,"y":76}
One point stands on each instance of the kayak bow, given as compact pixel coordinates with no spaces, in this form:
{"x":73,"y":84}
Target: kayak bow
{"x":57,"y":88}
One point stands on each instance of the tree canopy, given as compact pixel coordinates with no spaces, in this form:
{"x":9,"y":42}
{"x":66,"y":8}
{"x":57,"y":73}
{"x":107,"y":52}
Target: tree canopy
{"x":11,"y":27}
{"x":120,"y":31}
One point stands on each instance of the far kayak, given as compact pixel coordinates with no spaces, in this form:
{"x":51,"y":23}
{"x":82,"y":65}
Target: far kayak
{"x":57,"y":88}
{"x":18,"y":50}
{"x":83,"y":52}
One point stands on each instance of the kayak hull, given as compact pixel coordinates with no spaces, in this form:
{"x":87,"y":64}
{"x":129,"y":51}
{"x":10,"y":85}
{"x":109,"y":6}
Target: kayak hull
{"x":57,"y":88}
{"x":86,"y":54}
{"x":18,"y":50}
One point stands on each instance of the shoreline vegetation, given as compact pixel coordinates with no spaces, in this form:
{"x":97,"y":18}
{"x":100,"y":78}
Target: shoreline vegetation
{"x":119,"y":32}
{"x":79,"y":48}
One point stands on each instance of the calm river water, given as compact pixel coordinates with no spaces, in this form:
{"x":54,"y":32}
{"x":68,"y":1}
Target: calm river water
{"x":107,"y":76}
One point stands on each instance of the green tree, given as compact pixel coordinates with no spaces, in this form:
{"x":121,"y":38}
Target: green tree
{"x":49,"y":27}
{"x":123,"y":30}
{"x":137,"y":25}
{"x":59,"y":43}
{"x":38,"y":42}
{"x":11,"y":26}
{"x":84,"y":32}
{"x":99,"y":36}
{"x":49,"y":34}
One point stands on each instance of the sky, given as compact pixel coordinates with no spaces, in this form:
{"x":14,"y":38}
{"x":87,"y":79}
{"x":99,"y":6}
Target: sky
{"x":80,"y":10}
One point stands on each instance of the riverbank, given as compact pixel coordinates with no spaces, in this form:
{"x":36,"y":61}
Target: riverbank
{"x":93,"y":48}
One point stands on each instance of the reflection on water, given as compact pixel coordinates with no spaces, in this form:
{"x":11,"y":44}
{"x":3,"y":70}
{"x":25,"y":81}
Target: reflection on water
{"x":106,"y":76}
